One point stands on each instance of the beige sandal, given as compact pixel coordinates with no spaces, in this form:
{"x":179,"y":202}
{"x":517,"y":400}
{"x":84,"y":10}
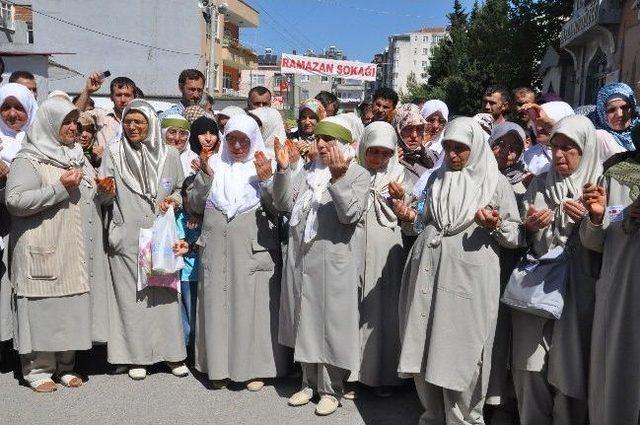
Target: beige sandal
{"x":71,"y":380}
{"x":43,"y":386}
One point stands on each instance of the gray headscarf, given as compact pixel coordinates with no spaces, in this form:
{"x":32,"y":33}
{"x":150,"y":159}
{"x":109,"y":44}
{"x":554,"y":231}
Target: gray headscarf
{"x":141,"y":163}
{"x":516,"y":172}
{"x":42,"y":143}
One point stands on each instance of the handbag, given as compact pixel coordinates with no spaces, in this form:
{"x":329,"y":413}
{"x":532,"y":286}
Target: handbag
{"x":538,"y":284}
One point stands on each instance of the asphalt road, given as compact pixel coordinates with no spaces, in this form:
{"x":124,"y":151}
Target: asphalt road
{"x":165,"y":399}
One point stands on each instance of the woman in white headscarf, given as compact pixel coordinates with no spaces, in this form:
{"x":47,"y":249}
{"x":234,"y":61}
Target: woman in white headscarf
{"x":326,"y":199}
{"x":52,"y":272}
{"x":538,"y":157}
{"x":451,"y":283}
{"x":550,"y":358}
{"x":17,"y":111}
{"x":175,"y":132}
{"x":146,"y":326}
{"x":385,"y":256}
{"x":436,"y":114}
{"x":239,"y":287}
{"x":271,"y":127}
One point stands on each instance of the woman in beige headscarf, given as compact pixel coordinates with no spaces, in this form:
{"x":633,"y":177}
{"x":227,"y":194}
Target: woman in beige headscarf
{"x":550,"y":358}
{"x":385,"y":256}
{"x":451,"y":283}
{"x":49,"y":194}
{"x":145,"y":325}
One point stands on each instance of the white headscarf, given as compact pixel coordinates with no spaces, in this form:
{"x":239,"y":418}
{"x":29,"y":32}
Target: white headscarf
{"x":432,"y":106}
{"x":318,"y":178}
{"x":456,"y":196}
{"x":42,"y":142}
{"x":272,"y":127}
{"x":141,"y":164}
{"x":382,"y":134}
{"x":559,"y":188}
{"x":186,"y":154}
{"x":10,"y":139}
{"x":235,"y":188}
{"x":557,"y":110}
{"x":231,"y":111}
{"x":353,"y":123}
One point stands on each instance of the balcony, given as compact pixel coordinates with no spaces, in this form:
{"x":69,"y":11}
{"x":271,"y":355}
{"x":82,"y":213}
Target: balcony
{"x":241,"y":14}
{"x":7,"y":16}
{"x":235,"y":55}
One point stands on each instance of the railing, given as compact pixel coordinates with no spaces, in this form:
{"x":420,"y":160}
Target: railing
{"x":7,"y":16}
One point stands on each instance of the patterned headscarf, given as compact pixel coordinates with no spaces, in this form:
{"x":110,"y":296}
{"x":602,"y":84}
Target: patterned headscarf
{"x":408,"y":115}
{"x":608,"y":93}
{"x":314,"y":106}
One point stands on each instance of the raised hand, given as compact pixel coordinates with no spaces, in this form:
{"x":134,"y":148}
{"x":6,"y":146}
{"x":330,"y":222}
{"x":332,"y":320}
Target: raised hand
{"x":574,"y":209}
{"x":71,"y":178}
{"x":396,"y":191}
{"x":282,"y":155}
{"x":538,"y":219}
{"x":166,"y":203}
{"x":106,"y":185}
{"x":594,"y":199}
{"x":338,"y":165}
{"x":294,"y":152}
{"x":98,"y":150}
{"x":94,"y":82}
{"x":489,"y":219}
{"x":263,"y":166}
{"x":403,"y":211}
{"x":204,"y":162}
{"x":180,"y":248}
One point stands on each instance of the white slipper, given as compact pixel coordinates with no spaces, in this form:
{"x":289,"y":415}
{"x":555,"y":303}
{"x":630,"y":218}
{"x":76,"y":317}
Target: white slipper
{"x":137,"y":373}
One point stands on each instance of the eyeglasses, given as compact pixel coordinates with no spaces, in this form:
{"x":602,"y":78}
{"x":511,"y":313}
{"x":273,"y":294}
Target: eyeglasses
{"x":238,"y":140}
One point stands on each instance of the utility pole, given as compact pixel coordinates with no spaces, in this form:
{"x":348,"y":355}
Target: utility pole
{"x":211,"y":10}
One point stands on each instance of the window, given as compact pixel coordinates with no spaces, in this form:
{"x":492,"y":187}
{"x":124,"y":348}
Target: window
{"x":425,"y":39}
{"x":397,"y":50}
{"x":7,"y":16}
{"x":324,"y":79}
{"x":227,"y":80}
{"x":425,"y":51}
{"x":257,"y":80}
{"x":415,"y":51}
{"x":415,"y":38}
{"x":304,"y":78}
{"x":30,"y":32}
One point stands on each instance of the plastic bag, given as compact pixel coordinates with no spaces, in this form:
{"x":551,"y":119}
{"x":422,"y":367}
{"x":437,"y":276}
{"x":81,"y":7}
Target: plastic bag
{"x":164,"y":235}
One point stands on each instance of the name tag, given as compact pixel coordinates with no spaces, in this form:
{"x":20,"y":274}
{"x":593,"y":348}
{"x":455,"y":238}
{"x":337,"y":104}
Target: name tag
{"x":616,"y":213}
{"x":209,"y":204}
{"x":167,"y":184}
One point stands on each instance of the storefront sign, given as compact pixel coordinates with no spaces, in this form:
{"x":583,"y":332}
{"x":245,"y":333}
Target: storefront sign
{"x":328,"y":67}
{"x":585,"y":16}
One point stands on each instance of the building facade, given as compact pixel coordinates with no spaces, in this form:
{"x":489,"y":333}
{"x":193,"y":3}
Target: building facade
{"x":409,"y":54}
{"x":599,"y":44}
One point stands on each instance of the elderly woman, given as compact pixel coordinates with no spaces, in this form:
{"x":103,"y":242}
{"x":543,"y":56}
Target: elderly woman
{"x":50,"y":194}
{"x":17,"y":111}
{"x":538,"y":157}
{"x":385,"y":256}
{"x":616,"y":113}
{"x":413,"y":155}
{"x":550,"y":358}
{"x":507,"y":143}
{"x":612,"y":228}
{"x":310,"y":113}
{"x":175,"y":132}
{"x":436,"y":114}
{"x":451,"y":283}
{"x":327,"y":199}
{"x":87,"y":130}
{"x":145,"y":326}
{"x":239,"y":287}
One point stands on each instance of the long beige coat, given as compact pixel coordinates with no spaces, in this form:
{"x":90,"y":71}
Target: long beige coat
{"x":238,"y":291}
{"x":614,"y":379}
{"x":449,"y":298}
{"x":320,"y":312}
{"x":144,"y":326}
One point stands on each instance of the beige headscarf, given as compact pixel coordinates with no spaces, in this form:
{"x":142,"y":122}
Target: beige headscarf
{"x":141,"y":164}
{"x":42,"y":142}
{"x":272,"y":127}
{"x":557,"y":189}
{"x":382,"y":134}
{"x":456,"y":196}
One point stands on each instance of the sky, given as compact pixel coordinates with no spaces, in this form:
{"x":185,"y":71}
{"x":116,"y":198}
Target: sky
{"x":359,"y":27}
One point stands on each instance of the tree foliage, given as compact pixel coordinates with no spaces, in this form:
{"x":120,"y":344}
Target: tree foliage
{"x":498,"y":42}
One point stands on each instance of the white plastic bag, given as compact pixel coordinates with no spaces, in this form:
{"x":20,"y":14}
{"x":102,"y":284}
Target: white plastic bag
{"x":164,"y":235}
{"x":144,"y":257}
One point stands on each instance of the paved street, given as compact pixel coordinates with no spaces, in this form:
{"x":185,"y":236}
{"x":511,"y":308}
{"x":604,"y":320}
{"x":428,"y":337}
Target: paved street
{"x":164,"y":399}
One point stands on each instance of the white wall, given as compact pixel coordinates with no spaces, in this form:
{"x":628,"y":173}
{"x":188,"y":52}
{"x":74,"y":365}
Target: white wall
{"x":35,"y":64}
{"x":161,"y":23}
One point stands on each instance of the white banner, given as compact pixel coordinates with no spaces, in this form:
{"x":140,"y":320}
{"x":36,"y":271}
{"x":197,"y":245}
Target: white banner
{"x":294,"y":64}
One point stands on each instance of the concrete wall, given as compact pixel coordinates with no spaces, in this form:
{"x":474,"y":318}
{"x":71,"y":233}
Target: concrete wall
{"x":35,"y":64}
{"x":160,"y":23}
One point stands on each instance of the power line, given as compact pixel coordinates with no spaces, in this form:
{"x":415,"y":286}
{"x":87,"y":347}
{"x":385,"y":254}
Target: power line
{"x":284,"y":27}
{"x":104,"y":34}
{"x":375,"y":11}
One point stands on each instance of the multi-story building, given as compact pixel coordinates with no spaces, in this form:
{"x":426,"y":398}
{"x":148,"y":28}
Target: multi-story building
{"x":410,"y":53}
{"x":230,"y":56}
{"x":599,"y":44}
{"x":150,"y":41}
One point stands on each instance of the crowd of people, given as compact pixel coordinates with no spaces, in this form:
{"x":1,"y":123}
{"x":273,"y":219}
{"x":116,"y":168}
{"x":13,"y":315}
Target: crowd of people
{"x":489,"y":259}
